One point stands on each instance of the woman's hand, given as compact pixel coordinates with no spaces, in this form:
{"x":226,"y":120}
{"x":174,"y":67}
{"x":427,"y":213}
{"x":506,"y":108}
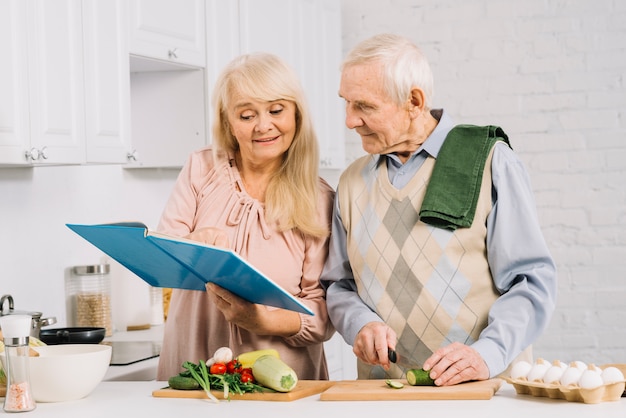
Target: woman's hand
{"x":456,"y":363}
{"x":257,"y":319}
{"x":372,"y":343}
{"x":210,"y":236}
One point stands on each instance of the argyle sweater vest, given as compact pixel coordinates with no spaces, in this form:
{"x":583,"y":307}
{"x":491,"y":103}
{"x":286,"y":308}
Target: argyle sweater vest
{"x":432,"y":286}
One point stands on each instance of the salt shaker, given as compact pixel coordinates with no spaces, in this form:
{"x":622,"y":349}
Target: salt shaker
{"x":15,"y":332}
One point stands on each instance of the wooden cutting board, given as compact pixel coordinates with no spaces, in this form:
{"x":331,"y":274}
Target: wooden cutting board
{"x":303,"y":389}
{"x":377,"y":390}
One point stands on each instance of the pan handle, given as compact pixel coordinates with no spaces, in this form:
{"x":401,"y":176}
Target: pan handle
{"x":5,"y":298}
{"x":63,"y":336}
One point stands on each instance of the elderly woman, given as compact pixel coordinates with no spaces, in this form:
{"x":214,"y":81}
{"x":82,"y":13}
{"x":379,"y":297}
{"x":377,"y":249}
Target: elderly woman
{"x":257,"y":191}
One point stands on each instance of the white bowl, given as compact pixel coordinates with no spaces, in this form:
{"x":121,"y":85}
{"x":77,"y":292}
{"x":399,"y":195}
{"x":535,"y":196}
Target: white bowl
{"x":67,"y":372}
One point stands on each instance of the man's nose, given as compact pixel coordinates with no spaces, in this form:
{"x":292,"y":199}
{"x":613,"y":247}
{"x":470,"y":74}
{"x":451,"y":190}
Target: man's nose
{"x":352,"y":120}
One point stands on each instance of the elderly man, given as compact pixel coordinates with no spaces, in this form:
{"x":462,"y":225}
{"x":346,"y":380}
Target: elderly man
{"x":436,"y":250}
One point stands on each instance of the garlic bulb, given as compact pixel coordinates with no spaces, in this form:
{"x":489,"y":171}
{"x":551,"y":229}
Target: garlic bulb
{"x":612,"y":375}
{"x":590,"y":379}
{"x":520,"y":370}
{"x":223,"y":355}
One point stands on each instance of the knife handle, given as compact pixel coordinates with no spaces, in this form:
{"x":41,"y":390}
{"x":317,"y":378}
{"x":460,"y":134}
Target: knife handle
{"x":393,"y":357}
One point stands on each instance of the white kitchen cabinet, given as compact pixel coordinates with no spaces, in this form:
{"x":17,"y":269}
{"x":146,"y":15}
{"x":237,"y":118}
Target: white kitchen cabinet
{"x":169,"y":30}
{"x":43,"y":95}
{"x":14,"y":122}
{"x":167,"y":83}
{"x":48,"y":112}
{"x":168,"y":117}
{"x":307,"y":34}
{"x":107,"y":81}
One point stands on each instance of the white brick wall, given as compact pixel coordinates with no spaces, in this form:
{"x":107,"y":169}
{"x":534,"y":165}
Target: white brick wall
{"x":552,"y":73}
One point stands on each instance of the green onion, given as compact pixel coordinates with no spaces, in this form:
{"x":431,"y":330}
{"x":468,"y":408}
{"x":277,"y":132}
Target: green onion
{"x":202,"y":380}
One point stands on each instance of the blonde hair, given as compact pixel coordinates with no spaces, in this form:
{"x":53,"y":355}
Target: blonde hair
{"x":402,"y":63}
{"x":292,"y":194}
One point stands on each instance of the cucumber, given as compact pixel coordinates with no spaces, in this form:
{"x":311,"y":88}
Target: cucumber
{"x":419,"y":377}
{"x":394,"y":384}
{"x":183,"y":383}
{"x":273,"y":373}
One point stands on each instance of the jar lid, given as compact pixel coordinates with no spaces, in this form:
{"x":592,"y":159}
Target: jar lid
{"x":94,"y":269}
{"x":15,"y":326}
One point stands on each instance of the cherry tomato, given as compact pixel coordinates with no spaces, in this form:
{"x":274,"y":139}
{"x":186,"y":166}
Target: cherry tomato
{"x":233,"y":366}
{"x":246,"y":376}
{"x":217,"y":368}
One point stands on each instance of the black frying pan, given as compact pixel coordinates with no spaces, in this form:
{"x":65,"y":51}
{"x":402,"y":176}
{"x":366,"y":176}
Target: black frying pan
{"x":75,"y":335}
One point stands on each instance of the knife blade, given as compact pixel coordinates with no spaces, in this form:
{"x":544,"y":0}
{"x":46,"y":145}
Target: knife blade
{"x":401,"y":360}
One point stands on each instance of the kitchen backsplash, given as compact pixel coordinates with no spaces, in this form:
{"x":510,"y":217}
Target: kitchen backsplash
{"x":37,"y":248}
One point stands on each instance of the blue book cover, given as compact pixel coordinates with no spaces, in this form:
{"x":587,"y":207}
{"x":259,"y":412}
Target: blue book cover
{"x":171,"y":262}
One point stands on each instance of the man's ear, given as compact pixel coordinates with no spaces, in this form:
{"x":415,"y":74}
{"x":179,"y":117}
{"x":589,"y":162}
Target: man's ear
{"x":417,"y":102}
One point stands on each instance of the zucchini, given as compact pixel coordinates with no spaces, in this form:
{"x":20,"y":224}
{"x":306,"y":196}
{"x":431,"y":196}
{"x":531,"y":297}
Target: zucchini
{"x":183,"y":383}
{"x":274,"y":373}
{"x":419,"y":377}
{"x":247,"y":359}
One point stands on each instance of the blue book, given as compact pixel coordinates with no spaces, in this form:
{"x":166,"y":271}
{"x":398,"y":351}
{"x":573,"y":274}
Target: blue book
{"x":172,"y":262}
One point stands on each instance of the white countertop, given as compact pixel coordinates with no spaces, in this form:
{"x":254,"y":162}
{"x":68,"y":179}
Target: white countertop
{"x":112,"y":399}
{"x":121,"y":392}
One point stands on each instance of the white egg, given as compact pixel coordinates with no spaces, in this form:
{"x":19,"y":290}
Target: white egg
{"x":537,"y":372}
{"x":571,"y":376}
{"x":611,"y":375}
{"x":553,"y":374}
{"x":559,"y":363}
{"x":590,"y":379}
{"x":579,"y":365}
{"x":520,"y":370}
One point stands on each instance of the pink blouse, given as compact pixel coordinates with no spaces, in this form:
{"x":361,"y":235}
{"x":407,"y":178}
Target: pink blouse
{"x":207,"y":193}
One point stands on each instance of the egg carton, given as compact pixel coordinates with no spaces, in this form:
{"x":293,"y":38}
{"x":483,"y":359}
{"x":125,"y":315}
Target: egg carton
{"x":604,"y":393}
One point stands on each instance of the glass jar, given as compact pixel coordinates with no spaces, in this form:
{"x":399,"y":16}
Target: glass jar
{"x":16,"y":332}
{"x":89,"y":297}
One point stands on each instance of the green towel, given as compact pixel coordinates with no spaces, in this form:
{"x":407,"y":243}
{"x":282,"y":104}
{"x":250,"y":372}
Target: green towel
{"x":453,"y":189}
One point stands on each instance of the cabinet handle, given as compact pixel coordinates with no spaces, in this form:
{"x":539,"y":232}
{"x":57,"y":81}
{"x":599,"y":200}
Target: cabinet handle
{"x":133,"y":155}
{"x":32,"y":154}
{"x":326,"y":162}
{"x":172,"y":53}
{"x":36,"y":154}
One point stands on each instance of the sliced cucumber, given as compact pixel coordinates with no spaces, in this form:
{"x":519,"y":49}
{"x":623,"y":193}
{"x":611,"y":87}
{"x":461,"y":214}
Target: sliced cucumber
{"x":394,"y":384}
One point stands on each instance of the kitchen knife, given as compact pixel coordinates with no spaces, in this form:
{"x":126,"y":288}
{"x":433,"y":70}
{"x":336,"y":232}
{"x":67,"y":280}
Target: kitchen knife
{"x":401,"y":360}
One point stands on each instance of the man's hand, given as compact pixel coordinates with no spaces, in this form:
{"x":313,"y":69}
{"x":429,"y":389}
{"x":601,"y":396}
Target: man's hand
{"x":372,"y":342}
{"x":456,"y":363}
